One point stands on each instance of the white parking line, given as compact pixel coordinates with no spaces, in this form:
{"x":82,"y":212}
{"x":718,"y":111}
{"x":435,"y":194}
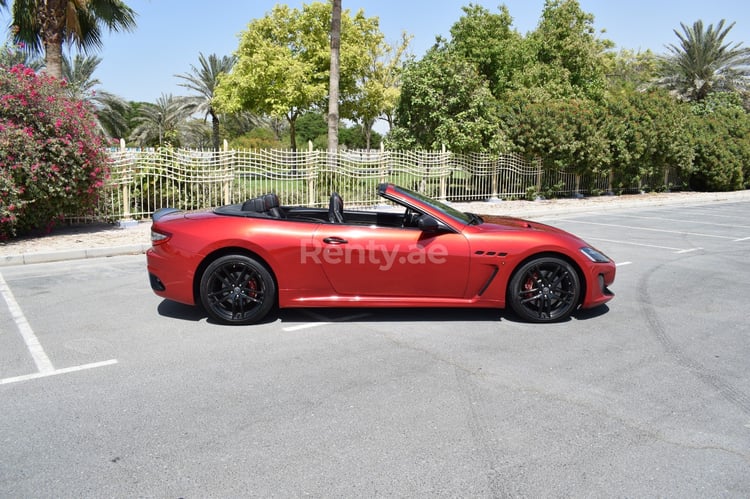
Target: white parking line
{"x":680,"y":232}
{"x":43,"y":364}
{"x":304,"y":326}
{"x":694,"y":222}
{"x":55,"y":372}
{"x":322,"y":321}
{"x":637,"y":244}
{"x":689,"y":250}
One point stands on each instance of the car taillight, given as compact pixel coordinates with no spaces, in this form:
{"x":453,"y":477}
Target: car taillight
{"x":159,"y":237}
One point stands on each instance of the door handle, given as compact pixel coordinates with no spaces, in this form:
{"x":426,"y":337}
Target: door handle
{"x":335,"y":240}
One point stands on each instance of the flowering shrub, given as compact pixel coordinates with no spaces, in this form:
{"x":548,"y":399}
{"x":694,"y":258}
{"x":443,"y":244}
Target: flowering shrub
{"x":52,"y":160}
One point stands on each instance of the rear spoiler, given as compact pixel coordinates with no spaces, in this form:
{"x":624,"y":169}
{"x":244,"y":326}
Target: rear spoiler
{"x":162,"y":212}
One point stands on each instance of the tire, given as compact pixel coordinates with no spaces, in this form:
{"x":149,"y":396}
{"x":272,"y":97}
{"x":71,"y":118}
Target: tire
{"x":237,"y":290}
{"x":545,"y":289}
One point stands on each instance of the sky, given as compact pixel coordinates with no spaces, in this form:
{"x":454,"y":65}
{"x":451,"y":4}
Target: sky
{"x":170,"y":34}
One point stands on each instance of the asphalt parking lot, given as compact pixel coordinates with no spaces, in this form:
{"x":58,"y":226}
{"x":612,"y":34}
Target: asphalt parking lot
{"x":107,"y":390}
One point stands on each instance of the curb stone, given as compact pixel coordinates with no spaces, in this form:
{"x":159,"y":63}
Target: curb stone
{"x":74,"y":254}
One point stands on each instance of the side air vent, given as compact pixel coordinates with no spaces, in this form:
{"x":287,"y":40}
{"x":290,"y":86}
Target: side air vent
{"x":490,"y":253}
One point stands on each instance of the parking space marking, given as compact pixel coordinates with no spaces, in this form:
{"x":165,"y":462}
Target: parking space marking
{"x":43,"y":363}
{"x":703,"y":213}
{"x":696,"y":222}
{"x":56,"y":372}
{"x":741,"y":239}
{"x":322,"y":321}
{"x":622,"y":264}
{"x":680,"y":232}
{"x":689,"y":250}
{"x":630,"y":243}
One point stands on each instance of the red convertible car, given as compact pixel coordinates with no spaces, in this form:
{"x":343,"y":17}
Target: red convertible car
{"x":239,"y":261}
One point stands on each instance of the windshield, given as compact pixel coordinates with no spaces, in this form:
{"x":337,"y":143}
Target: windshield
{"x":466,"y":218}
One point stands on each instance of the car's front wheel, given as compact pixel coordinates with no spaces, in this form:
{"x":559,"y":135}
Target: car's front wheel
{"x":545,"y":289}
{"x":237,"y":289}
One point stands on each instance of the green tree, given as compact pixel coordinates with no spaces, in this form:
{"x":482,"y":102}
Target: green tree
{"x":334,"y":77}
{"x":564,"y":133}
{"x":629,"y":70}
{"x":45,"y":25}
{"x":445,"y":101}
{"x":162,"y":122}
{"x":721,"y":138}
{"x":81,"y":84}
{"x":648,"y":134}
{"x":567,"y":59}
{"x":489,"y":41}
{"x":283,"y":62}
{"x":378,"y":89}
{"x":705,"y":62}
{"x":354,"y":137}
{"x":203,"y":82}
{"x":311,"y":126}
{"x":239,"y":124}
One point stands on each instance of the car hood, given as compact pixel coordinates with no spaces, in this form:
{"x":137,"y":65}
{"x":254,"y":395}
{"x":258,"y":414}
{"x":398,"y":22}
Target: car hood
{"x":498,"y":223}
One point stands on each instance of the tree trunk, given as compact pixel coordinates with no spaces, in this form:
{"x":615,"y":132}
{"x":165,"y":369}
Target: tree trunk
{"x":52,"y":26}
{"x":53,"y":59}
{"x":215,"y":129}
{"x":333,"y":92}
{"x":367,"y":128}
{"x":292,"y":120}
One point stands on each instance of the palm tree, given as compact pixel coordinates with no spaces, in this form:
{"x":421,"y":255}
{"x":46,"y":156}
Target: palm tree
{"x":44,"y":25}
{"x":333,"y":82}
{"x":703,"y":62}
{"x":110,"y":109}
{"x":12,"y":54}
{"x":204,"y":81}
{"x":162,"y":122}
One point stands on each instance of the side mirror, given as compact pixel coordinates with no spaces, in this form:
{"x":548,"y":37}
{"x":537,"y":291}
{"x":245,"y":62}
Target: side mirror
{"x":426,"y":223}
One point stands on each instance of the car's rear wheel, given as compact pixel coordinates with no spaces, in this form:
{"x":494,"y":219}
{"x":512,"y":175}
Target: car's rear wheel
{"x":237,"y":289}
{"x":545,"y":289}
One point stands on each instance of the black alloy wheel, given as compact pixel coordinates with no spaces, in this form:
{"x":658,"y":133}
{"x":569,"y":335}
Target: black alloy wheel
{"x":236,"y":289}
{"x":545,"y":289}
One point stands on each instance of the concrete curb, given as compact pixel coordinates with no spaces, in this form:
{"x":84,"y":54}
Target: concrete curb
{"x":75,"y":254}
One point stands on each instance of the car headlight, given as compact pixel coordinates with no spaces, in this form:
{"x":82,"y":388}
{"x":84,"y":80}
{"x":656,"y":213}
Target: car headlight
{"x":595,"y":255}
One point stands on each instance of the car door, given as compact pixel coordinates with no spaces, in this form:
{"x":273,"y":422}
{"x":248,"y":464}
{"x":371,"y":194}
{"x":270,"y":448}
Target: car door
{"x":361,"y":260}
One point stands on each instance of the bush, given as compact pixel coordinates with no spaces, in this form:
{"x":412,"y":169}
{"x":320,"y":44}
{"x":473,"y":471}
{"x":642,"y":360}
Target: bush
{"x":52,"y":160}
{"x":721,"y":138}
{"x":257,"y":138}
